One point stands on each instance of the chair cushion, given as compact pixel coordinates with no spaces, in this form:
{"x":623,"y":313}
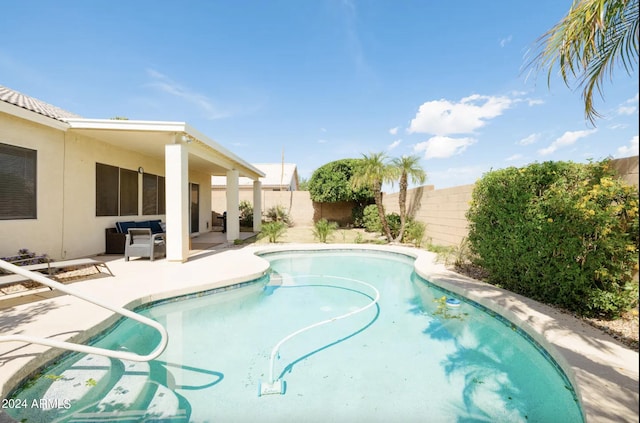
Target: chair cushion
{"x":156,"y":226}
{"x":123,"y":227}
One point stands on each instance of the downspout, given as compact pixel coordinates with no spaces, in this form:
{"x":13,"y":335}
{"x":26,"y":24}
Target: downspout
{"x":63,"y":253}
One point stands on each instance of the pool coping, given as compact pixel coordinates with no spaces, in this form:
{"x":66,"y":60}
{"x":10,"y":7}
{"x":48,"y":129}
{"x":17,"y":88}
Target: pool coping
{"x":603,"y":372}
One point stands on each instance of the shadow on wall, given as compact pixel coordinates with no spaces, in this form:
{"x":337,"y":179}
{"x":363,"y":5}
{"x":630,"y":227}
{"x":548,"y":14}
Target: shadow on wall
{"x":415,"y":203}
{"x":340,"y":212}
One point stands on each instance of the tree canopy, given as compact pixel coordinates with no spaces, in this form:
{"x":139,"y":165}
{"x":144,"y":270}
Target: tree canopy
{"x":331,"y":183}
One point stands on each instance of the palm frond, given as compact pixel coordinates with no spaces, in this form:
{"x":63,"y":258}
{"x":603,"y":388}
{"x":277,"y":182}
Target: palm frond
{"x":595,"y":38}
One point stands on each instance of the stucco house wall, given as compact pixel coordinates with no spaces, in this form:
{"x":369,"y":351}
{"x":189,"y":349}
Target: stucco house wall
{"x":43,"y":234}
{"x":83,"y":230}
{"x":66,"y":225}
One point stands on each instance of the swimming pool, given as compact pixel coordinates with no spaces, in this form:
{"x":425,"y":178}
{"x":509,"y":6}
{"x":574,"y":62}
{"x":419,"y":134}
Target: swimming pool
{"x":409,"y":356}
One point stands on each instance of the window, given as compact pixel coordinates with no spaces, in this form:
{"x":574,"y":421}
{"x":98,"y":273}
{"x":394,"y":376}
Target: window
{"x":116,"y":191}
{"x":17,"y":183}
{"x":153,"y":194}
{"x":107,"y":179}
{"x":128,"y":192}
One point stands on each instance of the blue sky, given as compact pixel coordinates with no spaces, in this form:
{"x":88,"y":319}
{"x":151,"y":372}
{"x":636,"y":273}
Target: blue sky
{"x":322,"y":79}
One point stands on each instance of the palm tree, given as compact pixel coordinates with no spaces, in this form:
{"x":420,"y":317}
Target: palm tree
{"x":593,"y":39}
{"x":408,"y":167}
{"x":372,"y":172}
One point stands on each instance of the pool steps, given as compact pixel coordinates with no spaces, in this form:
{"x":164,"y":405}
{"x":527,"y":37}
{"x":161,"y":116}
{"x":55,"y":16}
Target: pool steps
{"x":129,"y":388}
{"x":99,"y":383}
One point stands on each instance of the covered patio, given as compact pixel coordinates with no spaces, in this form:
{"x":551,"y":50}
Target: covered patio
{"x":184,"y":151}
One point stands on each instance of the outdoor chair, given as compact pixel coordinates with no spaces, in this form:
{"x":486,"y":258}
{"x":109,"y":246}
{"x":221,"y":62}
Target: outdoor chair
{"x":142,"y":242}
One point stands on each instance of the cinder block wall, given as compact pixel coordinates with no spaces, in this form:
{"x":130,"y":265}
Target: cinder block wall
{"x":443,"y":210}
{"x":627,"y":168}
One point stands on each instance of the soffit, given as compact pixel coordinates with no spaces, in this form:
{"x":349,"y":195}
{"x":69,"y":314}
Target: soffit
{"x":150,"y":138}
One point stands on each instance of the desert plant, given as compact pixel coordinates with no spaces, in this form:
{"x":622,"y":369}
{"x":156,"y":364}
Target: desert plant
{"x":323,"y":229}
{"x":409,"y":169}
{"x":373,"y":171}
{"x":414,"y":232}
{"x":246,"y":214}
{"x":462,"y":253}
{"x":273,"y":230}
{"x":25,"y":258}
{"x":278,"y":213}
{"x":444,"y":254}
{"x":595,"y":38}
{"x":359,"y":239}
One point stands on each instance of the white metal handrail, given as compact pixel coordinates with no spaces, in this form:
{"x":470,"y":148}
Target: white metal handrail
{"x":123,"y":355}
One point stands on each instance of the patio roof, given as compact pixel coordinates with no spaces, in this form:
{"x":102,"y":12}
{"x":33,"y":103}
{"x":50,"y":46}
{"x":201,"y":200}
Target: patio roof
{"x":150,"y":137}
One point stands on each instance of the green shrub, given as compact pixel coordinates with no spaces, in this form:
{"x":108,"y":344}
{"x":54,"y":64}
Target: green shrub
{"x":331,"y":183}
{"x":246,"y":214}
{"x":559,"y":232}
{"x":279,"y":213}
{"x":414,"y":232}
{"x":393,"y":219}
{"x":323,"y":229}
{"x":273,"y":230}
{"x":371,"y":219}
{"x":357,"y":215}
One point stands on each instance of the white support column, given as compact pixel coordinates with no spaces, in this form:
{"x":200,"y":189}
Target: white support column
{"x":233,"y":206}
{"x":177,"y":197}
{"x":257,"y":206}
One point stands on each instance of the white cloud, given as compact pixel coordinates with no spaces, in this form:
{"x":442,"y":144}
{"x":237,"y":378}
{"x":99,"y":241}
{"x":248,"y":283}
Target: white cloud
{"x":629,"y":150}
{"x":166,"y":85}
{"x":628,"y":107}
{"x":505,"y":41}
{"x":394,"y":131}
{"x":626,"y":110}
{"x":568,"y":138}
{"x":439,"y":147}
{"x":534,"y":102}
{"x":514,"y":157}
{"x":394,"y":144}
{"x":442,"y":117}
{"x":322,"y":141}
{"x":529,"y":140}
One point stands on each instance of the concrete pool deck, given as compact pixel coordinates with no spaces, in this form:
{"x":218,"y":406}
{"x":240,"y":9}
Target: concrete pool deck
{"x":603,"y":371}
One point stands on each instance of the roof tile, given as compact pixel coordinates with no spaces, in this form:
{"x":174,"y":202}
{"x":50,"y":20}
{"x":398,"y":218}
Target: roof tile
{"x":33,"y":104}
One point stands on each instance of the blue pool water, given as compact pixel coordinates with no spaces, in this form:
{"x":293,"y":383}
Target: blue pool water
{"x":411,"y":357}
